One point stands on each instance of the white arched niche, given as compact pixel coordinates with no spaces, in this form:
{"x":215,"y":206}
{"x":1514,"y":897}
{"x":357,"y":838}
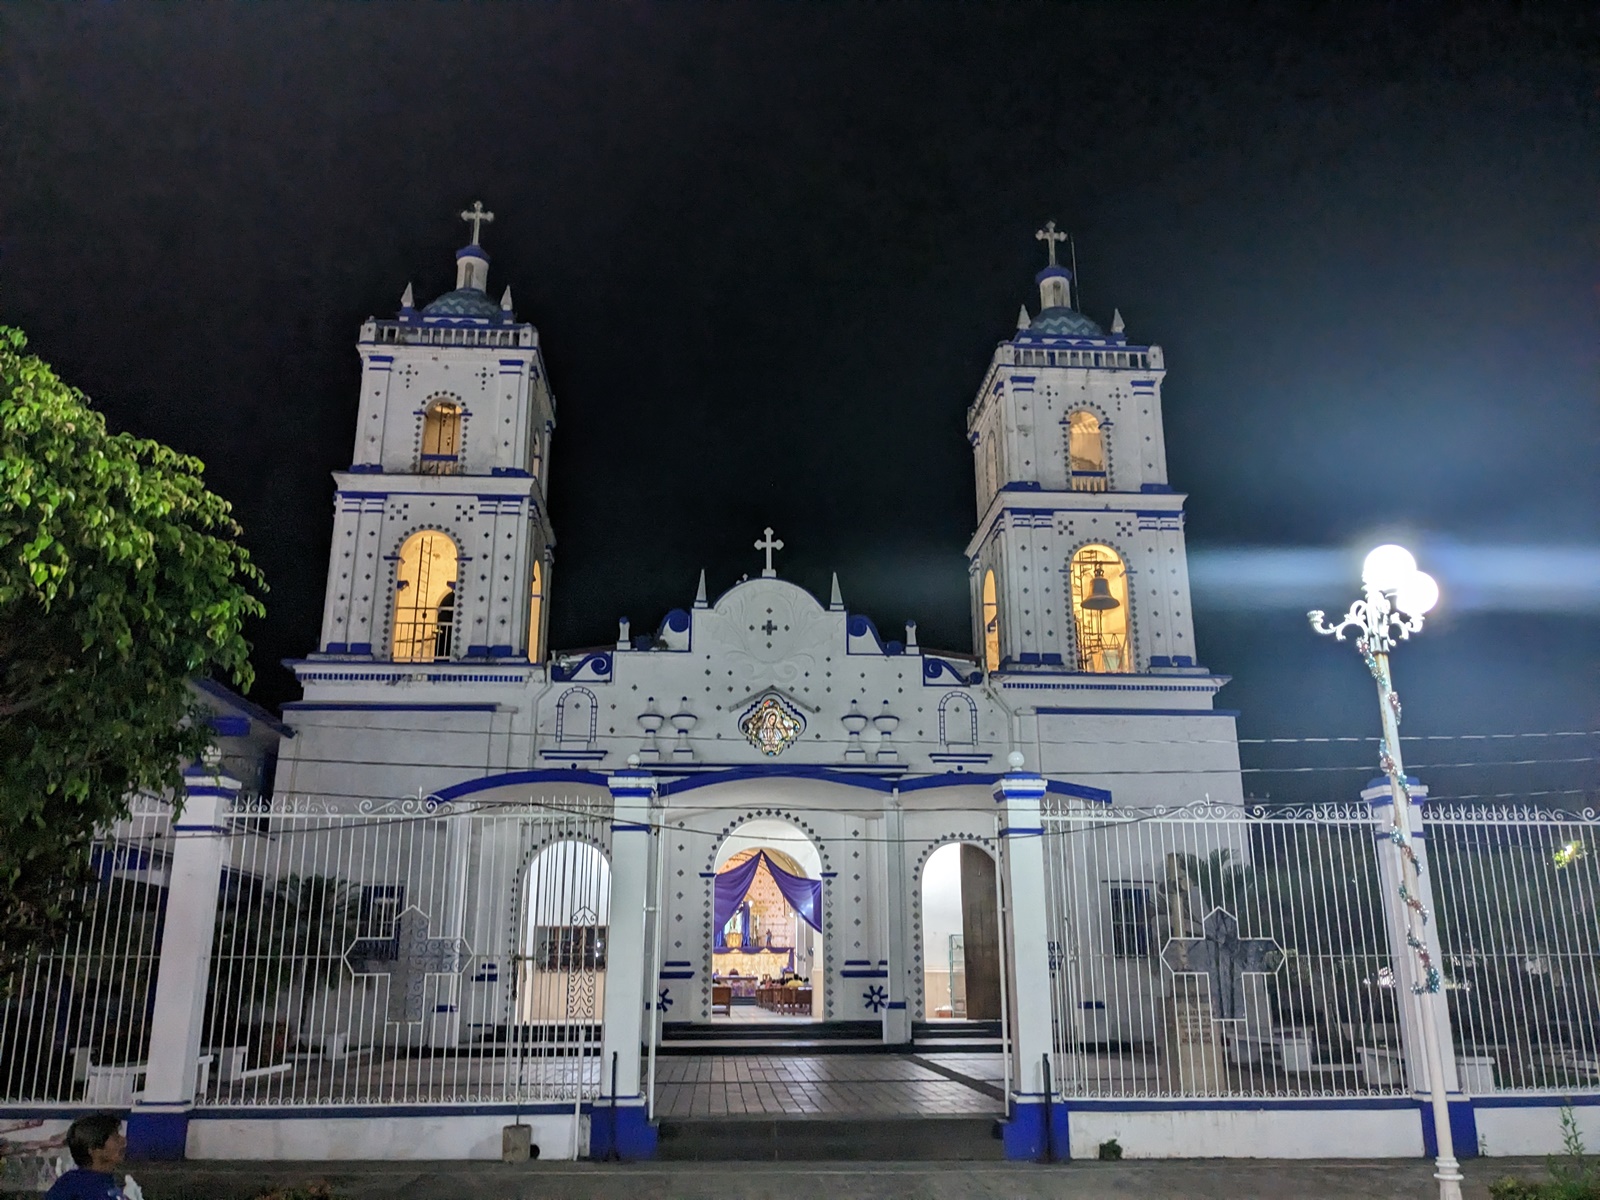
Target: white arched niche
{"x":566,"y":935}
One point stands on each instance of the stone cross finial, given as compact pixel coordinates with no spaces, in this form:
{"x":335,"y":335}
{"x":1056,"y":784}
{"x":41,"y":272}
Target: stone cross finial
{"x":479,"y":217}
{"x":769,"y":545}
{"x":1050,"y":236}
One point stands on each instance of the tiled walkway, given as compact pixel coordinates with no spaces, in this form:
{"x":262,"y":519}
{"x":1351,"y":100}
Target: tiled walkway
{"x":825,"y":1085}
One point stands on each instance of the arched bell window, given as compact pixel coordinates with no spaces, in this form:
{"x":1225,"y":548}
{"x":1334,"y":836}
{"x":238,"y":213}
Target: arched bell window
{"x":425,"y":598}
{"x":1086,"y":452}
{"x":991,"y":624}
{"x":441,"y":438}
{"x":1100,"y":609}
{"x":535,"y":613}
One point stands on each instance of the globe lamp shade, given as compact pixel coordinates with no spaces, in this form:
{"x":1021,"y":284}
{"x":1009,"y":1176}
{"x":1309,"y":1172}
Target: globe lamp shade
{"x":1387,"y":567}
{"x":1417,"y":594}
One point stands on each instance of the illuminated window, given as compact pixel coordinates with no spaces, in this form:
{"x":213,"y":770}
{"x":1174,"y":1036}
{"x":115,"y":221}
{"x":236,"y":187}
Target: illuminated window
{"x":535,"y":613}
{"x":991,"y":624}
{"x":441,"y":439}
{"x":1100,"y":609}
{"x":425,"y":598}
{"x":1086,"y":453}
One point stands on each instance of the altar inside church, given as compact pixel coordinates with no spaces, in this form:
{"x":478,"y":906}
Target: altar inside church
{"x":753,"y":965}
{"x":767,"y":915}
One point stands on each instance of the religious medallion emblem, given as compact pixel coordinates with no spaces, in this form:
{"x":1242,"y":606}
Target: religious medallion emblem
{"x":771,"y":725}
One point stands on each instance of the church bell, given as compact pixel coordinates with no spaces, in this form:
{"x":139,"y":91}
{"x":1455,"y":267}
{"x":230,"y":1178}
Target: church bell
{"x":1100,"y":598}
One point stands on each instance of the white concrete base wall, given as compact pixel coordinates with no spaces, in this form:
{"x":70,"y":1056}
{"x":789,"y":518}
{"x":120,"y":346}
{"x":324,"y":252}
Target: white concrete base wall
{"x":393,"y":1138}
{"x":1533,"y":1130}
{"x":1251,"y":1133}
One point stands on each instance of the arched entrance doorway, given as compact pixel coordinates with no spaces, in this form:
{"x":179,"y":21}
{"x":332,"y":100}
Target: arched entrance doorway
{"x":767,"y":923}
{"x":960,"y":935}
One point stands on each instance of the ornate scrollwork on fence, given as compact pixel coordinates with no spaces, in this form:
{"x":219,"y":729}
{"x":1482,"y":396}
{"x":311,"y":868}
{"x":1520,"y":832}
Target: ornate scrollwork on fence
{"x":282,"y":806}
{"x":1209,"y":812}
{"x":408,"y":806}
{"x":1509,"y":814}
{"x":1336,"y":812}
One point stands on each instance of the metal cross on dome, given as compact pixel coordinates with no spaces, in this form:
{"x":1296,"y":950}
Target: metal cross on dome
{"x":1050,"y":236}
{"x":478,"y":215}
{"x":768,"y":544}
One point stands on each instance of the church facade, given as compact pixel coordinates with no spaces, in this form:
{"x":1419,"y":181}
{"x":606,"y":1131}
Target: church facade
{"x":764,"y":701}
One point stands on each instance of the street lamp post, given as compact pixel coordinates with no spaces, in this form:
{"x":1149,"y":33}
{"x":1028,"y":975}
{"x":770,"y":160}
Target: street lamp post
{"x":1397,"y":595}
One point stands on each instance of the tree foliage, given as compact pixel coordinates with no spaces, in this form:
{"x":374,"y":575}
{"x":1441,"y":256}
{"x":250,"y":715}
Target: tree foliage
{"x":121,"y":579}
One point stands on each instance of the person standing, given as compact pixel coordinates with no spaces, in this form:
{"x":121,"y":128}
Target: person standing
{"x":97,"y":1144}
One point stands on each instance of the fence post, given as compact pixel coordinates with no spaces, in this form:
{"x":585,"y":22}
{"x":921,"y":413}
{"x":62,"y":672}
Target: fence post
{"x":897,"y":907}
{"x":623,"y":1127}
{"x":158,"y":1126}
{"x":1027,"y":958}
{"x":1463,"y":1126}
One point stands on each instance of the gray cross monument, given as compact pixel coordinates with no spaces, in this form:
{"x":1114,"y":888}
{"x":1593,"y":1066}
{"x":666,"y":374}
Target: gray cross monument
{"x":419,"y":956}
{"x":1223,"y":958}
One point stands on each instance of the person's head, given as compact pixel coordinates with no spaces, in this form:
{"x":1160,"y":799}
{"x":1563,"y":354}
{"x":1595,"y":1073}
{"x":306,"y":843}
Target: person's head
{"x":96,"y":1141}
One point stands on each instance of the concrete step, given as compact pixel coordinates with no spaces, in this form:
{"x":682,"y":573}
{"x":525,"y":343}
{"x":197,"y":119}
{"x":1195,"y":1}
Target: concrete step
{"x":854,"y":1139}
{"x":749,"y":1031}
{"x":931,"y":1031}
{"x":798,"y":1045}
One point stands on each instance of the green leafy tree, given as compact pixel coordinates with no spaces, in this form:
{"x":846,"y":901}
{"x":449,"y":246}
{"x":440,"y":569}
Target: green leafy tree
{"x":121,"y":579}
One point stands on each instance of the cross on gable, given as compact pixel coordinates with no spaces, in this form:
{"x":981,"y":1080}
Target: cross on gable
{"x":769,"y":545}
{"x":1050,"y":236}
{"x":1224,"y":959}
{"x":479,"y":216}
{"x":417,"y":957}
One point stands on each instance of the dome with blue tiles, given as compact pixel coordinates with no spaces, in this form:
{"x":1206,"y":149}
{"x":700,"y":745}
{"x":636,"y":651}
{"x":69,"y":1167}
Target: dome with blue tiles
{"x":463,"y":302}
{"x":1063,"y":322}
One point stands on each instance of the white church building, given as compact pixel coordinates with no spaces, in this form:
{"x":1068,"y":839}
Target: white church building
{"x":499,"y":898}
{"x":762,"y":717}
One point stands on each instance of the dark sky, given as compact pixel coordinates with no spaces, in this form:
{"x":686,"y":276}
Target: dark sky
{"x":770,"y":248}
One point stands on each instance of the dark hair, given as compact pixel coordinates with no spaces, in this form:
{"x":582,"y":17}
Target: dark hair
{"x":88,"y":1134}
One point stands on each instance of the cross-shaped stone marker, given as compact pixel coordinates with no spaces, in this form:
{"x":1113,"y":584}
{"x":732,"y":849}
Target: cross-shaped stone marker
{"x":479,"y":216}
{"x":1050,"y":237}
{"x":419,"y":957}
{"x":1224,"y":958}
{"x":770,"y":628}
{"x":769,"y":545}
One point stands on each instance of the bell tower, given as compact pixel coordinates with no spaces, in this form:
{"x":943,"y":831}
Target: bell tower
{"x":1078,"y":564}
{"x":442,"y":542}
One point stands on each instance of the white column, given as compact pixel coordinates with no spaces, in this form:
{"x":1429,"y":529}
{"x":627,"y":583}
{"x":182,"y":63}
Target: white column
{"x":159,"y":1124}
{"x":619,"y":1122}
{"x":1036,"y":1115}
{"x":1378,"y":795}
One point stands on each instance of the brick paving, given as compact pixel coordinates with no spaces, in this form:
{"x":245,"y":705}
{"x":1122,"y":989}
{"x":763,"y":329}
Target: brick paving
{"x":716,"y":1085}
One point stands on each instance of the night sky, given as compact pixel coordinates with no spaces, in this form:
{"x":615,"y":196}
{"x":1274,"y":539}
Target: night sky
{"x":770,"y":248}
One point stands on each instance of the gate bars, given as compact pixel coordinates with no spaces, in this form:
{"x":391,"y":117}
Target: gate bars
{"x":75,"y":1019}
{"x":411,"y":952}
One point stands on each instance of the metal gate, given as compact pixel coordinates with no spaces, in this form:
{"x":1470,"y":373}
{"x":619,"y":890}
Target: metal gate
{"x":410,"y":952}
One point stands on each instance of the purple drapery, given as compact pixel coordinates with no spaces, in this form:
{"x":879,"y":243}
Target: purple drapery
{"x":731,"y":887}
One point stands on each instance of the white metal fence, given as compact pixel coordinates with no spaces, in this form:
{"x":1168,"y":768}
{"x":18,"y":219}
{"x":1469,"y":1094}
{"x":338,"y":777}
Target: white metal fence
{"x":75,"y":1020}
{"x":1515,"y":890}
{"x":410,"y":952}
{"x":1214,"y":951}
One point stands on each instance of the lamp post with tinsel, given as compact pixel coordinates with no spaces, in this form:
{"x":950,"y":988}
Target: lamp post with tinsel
{"x":1397,"y":595}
